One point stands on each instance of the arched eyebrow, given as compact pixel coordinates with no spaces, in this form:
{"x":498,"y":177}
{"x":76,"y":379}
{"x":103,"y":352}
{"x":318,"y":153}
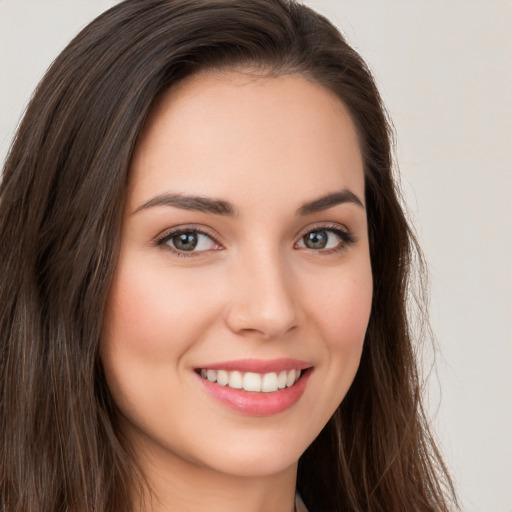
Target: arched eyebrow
{"x":328,"y":201}
{"x":185,"y":202}
{"x":220,"y":207}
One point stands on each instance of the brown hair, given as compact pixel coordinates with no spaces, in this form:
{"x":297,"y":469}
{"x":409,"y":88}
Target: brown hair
{"x":60,"y":212}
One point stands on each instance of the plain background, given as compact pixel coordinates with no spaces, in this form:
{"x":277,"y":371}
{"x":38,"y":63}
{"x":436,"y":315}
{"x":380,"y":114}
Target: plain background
{"x":444,"y":68}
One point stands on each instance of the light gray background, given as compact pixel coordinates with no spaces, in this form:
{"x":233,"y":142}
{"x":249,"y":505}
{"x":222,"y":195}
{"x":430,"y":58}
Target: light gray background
{"x":444,"y":68}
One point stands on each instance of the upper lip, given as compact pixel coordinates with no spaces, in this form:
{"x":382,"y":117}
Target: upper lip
{"x":258,"y":365}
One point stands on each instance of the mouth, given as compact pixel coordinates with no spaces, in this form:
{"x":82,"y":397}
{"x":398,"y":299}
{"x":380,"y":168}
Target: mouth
{"x":256,"y":387}
{"x":250,"y":381}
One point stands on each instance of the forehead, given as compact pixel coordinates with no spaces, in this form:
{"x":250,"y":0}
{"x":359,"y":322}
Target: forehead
{"x":268,"y":136}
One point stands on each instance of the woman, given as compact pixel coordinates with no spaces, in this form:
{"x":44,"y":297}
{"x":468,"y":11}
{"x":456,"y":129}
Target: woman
{"x":204,"y":275}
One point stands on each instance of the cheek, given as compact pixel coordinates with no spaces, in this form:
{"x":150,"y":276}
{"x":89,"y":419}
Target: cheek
{"x":153,"y":317}
{"x":138,"y":315}
{"x":343,"y":308}
{"x":153,"y":312}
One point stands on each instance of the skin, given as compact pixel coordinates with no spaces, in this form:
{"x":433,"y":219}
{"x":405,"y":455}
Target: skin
{"x":254,"y":290}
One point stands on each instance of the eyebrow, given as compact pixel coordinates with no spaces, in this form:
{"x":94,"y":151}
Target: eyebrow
{"x":328,"y":201}
{"x":185,"y":202}
{"x":220,"y":207}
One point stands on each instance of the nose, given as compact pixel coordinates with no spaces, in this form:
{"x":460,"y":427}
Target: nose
{"x":262,"y":301}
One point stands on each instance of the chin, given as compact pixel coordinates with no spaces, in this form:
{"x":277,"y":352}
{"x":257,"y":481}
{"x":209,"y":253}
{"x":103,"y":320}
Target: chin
{"x":259,"y":454}
{"x":252,"y":464}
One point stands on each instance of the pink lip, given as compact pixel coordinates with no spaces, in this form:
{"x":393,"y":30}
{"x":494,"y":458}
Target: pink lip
{"x":259,"y":365}
{"x":253,"y":403}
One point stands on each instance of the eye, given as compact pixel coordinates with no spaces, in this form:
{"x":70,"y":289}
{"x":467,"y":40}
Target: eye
{"x":182,"y":241}
{"x":326,"y":238}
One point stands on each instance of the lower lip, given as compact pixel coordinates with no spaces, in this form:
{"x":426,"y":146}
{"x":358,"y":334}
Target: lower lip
{"x":258,"y":403}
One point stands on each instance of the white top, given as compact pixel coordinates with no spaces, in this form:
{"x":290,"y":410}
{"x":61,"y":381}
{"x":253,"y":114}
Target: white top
{"x":299,"y":504}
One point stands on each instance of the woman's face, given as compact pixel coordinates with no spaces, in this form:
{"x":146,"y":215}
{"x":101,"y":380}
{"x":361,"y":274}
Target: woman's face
{"x":244,"y":258}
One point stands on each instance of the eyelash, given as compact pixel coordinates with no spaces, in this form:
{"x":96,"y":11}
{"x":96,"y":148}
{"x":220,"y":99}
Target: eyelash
{"x":162,"y":240}
{"x":346,"y":237}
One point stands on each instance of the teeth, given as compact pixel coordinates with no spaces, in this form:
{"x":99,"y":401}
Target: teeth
{"x":269,"y":383}
{"x":235,"y":380}
{"x":250,"y":381}
{"x":281,"y":380}
{"x":289,"y":380}
{"x":222,"y":377}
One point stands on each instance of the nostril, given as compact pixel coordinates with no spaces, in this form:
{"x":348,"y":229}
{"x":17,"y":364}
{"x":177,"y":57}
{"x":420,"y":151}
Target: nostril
{"x":263,"y":303}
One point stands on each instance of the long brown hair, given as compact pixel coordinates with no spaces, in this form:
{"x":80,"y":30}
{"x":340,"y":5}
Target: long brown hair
{"x":60,"y":211}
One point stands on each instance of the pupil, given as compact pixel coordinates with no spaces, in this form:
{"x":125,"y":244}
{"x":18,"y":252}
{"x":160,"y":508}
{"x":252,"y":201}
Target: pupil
{"x":316,"y":239}
{"x":185,"y":241}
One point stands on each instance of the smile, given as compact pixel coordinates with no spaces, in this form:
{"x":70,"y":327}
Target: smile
{"x":251,"y":381}
{"x":256,"y":387}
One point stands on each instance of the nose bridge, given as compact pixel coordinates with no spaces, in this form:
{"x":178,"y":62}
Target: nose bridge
{"x":262,"y":301}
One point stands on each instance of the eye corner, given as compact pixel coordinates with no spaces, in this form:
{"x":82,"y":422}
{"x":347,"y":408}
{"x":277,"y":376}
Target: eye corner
{"x":321,"y":239}
{"x":187,"y":241}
